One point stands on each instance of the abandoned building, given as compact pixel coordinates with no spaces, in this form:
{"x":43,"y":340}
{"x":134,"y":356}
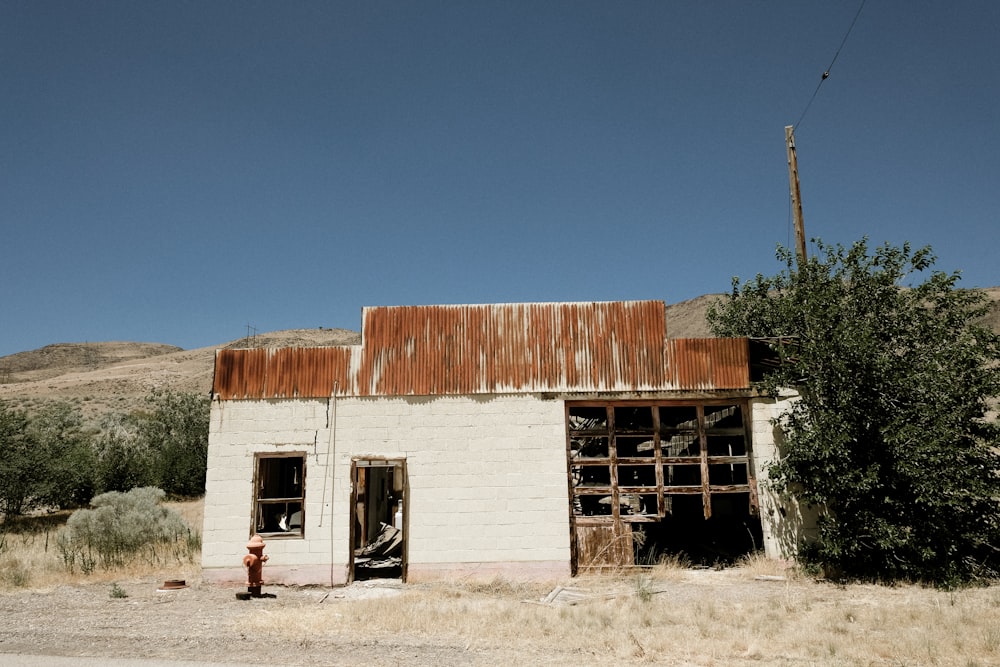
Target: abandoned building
{"x":524,"y":440}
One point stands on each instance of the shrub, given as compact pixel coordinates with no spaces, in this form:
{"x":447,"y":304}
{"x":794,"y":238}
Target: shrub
{"x":19,"y":457}
{"x":46,"y":458}
{"x":165,"y":444}
{"x":890,"y":437}
{"x":175,"y":429}
{"x":58,"y":429}
{"x":13,"y":573}
{"x":122,"y":528}
{"x":124,"y":461}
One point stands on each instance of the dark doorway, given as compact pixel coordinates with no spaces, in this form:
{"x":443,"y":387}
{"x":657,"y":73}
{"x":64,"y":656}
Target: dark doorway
{"x":378,"y":520}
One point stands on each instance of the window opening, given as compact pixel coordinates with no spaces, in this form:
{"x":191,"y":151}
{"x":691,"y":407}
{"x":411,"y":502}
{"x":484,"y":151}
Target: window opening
{"x":279,"y":495}
{"x":649,"y":479}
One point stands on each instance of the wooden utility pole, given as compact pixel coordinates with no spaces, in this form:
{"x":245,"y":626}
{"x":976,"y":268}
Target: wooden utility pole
{"x":793,"y":184}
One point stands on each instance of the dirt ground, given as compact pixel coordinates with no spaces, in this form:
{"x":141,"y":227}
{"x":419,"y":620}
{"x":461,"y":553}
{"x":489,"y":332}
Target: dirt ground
{"x":203,"y":623}
{"x":206,"y":623}
{"x":696,"y":618}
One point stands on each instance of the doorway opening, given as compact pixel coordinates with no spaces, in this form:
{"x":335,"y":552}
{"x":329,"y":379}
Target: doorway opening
{"x":379,"y":519}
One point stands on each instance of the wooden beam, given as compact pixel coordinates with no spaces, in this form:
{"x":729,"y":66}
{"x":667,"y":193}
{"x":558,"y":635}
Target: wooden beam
{"x":706,"y":494}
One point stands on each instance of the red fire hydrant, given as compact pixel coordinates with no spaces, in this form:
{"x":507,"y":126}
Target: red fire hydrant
{"x":254,"y":563}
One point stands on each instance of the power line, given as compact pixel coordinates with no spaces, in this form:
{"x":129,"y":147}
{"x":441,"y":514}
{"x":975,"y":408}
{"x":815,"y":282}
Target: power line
{"x":826,"y":73}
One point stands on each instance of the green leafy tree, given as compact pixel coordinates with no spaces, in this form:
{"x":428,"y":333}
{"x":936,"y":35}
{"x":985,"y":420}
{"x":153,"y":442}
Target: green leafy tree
{"x":66,"y":476}
{"x":890,"y":437}
{"x":175,"y":430}
{"x":19,"y":458}
{"x":45,"y":458}
{"x":124,"y":460}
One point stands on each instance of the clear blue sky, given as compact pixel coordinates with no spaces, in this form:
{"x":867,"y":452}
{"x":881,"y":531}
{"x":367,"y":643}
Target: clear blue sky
{"x":175,"y":171}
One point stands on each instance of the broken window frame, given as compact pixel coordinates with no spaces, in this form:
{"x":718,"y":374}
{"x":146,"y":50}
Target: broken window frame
{"x":267,"y":465}
{"x":639,"y":499}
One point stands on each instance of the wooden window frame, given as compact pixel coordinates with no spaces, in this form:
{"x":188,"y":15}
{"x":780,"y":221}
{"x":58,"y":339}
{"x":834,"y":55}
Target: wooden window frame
{"x":263,"y":511}
{"x":663,"y":491}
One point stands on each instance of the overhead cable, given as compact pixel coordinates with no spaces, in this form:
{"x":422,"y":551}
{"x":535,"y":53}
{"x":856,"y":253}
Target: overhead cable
{"x":826,"y":72}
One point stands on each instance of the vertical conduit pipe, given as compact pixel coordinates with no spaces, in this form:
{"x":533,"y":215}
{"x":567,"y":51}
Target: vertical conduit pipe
{"x":331,"y":449}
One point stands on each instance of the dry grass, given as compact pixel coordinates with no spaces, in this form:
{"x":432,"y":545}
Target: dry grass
{"x":764,"y":612}
{"x":29,"y":556}
{"x":756,"y":565}
{"x":192,"y":511}
{"x":687,"y":617}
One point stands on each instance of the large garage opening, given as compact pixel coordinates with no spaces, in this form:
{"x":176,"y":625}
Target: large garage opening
{"x":655,"y":479}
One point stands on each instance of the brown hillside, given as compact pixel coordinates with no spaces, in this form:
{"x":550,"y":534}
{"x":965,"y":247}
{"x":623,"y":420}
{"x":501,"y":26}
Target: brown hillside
{"x":687,"y":318}
{"x":109,"y":377}
{"x":992,"y":319}
{"x":53,"y":360}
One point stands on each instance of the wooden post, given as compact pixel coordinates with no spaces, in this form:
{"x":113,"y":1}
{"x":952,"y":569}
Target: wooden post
{"x":793,"y":183}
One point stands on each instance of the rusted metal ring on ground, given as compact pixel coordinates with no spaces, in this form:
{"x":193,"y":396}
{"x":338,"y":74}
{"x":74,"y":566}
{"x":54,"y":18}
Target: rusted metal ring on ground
{"x":172,"y":585}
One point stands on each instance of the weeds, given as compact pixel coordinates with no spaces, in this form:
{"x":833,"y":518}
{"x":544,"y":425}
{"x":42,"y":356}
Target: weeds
{"x":123,"y":528}
{"x":759,"y":565}
{"x":501,"y":587}
{"x":117,"y":592}
{"x":991,"y":640}
{"x":693,"y":617}
{"x":643,"y":588}
{"x":14,"y":573}
{"x":31,"y":555}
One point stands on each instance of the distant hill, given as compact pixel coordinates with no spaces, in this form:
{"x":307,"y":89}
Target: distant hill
{"x":687,"y":318}
{"x":108,"y":377}
{"x":54,"y":360}
{"x":992,"y":319}
{"x":117,"y":376}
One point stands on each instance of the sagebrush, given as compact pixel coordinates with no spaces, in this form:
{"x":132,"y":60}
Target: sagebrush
{"x":124,"y":527}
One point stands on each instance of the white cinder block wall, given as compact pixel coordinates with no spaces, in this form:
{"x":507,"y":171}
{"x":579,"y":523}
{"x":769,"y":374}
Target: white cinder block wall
{"x":237,"y":431}
{"x":785,"y":524}
{"x":487,"y":485}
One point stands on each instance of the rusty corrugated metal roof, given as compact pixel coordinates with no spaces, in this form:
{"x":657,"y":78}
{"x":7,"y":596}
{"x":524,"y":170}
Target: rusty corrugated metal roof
{"x":499,"y":348}
{"x":477,"y":349}
{"x":708,"y":363}
{"x":282,"y":372}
